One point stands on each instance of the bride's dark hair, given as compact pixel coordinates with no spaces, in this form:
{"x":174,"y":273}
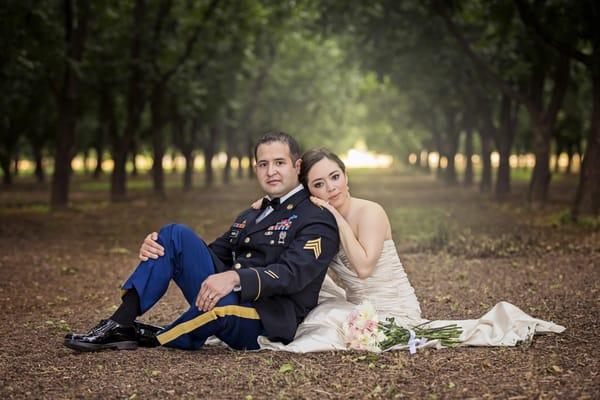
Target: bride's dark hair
{"x":313,"y":156}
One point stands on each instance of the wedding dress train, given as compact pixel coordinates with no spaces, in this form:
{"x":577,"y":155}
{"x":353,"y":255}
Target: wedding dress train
{"x":390,"y":292}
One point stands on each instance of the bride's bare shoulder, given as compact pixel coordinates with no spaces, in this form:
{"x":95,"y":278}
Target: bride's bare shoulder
{"x":370,"y":209}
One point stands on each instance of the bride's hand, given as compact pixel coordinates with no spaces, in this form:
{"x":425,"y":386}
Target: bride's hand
{"x":256,"y":205}
{"x":322,"y":203}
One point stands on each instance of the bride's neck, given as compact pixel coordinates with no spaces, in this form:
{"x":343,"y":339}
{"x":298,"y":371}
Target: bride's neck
{"x":344,"y":209}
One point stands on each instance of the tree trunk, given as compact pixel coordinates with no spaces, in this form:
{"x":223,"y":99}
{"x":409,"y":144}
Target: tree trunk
{"x":158,"y":147}
{"x":5,"y":165}
{"x":99,"y":160}
{"x":587,"y":197}
{"x":485,"y":186}
{"x":240,"y":168}
{"x":187,"y":145}
{"x":118,"y":178}
{"x":542,"y":123}
{"x":174,"y":162}
{"x":101,"y":130}
{"x":439,"y":171}
{"x":503,"y":177}
{"x":250,"y":155}
{"x":75,"y":37}
{"x":209,"y":148}
{"x":230,"y":149}
{"x":439,"y":147}
{"x":425,"y":163}
{"x":453,"y":136}
{"x":120,"y":150}
{"x":540,"y":179}
{"x":468,"y":155}
{"x":209,"y":174}
{"x":504,"y":141}
{"x":134,"y":168}
{"x":451,"y":178}
{"x":227,"y":169}
{"x":85,"y":156}
{"x":39,"y":166}
{"x":188,"y":172}
{"x":63,"y":156}
{"x":133,"y":152}
{"x":569,"y":168}
{"x":557,"y":153}
{"x":16,"y":164}
{"x":135,"y":106}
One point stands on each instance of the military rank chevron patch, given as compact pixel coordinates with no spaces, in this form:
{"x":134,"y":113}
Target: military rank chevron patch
{"x":315,"y":246}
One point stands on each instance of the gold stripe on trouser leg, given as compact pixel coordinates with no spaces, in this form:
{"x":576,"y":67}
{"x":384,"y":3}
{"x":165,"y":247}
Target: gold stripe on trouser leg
{"x":203,"y":319}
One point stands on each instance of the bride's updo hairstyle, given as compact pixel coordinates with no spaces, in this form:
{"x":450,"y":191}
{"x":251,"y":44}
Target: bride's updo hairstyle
{"x":313,"y":156}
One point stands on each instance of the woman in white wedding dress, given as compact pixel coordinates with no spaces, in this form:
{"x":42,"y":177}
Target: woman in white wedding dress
{"x":369,"y":269}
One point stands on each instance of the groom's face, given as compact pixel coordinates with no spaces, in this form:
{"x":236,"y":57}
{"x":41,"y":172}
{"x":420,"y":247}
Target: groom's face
{"x":276,"y":172}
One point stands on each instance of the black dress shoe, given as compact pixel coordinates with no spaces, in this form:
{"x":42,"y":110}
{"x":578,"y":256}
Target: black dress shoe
{"x":106,"y":335}
{"x":147,"y":334}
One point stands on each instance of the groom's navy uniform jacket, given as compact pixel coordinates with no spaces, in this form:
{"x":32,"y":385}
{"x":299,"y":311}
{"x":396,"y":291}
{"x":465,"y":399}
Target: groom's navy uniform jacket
{"x":282,"y":260}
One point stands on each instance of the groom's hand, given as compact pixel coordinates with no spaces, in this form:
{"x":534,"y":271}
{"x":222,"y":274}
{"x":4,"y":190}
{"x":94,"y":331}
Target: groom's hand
{"x":150,"y":248}
{"x":214,"y":288}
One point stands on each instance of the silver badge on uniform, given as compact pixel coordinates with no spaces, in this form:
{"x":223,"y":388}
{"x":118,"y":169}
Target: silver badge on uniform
{"x":282,"y":236}
{"x":268,"y":233}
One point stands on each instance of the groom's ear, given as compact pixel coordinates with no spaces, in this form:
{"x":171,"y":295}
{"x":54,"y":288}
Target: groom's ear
{"x":297,"y":165}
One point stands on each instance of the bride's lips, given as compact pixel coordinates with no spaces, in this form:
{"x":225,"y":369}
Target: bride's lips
{"x":334,"y":198}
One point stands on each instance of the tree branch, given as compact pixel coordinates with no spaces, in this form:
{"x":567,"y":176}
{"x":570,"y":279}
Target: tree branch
{"x":161,"y":15}
{"x":482,"y":67}
{"x":531,"y":22}
{"x":561,"y":81}
{"x":190,"y":42}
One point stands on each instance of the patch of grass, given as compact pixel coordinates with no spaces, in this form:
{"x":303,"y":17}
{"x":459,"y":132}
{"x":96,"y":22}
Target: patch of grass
{"x":563,"y":218}
{"x":142,"y":184}
{"x":427,"y":228}
{"x":89,"y":206}
{"x":68,"y":270}
{"x":521,"y":174}
{"x":60,"y":325}
{"x":38,"y":208}
{"x":589,"y":222}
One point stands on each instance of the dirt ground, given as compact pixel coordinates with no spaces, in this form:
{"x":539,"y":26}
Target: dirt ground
{"x":60,"y":271}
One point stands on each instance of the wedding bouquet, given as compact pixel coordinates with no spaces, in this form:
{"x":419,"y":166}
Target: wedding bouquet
{"x":361,"y":329}
{"x":364,"y":331}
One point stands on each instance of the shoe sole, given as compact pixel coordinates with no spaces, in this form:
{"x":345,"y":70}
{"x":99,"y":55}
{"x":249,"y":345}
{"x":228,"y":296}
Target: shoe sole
{"x":82,"y":346}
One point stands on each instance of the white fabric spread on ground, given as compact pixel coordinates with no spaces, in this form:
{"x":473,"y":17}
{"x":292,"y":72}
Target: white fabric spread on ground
{"x":390,"y":291}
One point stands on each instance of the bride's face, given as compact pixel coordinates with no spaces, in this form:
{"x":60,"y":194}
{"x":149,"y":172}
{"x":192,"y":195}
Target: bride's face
{"x":327,"y":182}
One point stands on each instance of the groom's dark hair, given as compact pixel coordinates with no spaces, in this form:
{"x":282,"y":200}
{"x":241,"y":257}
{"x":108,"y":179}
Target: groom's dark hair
{"x":279,"y":136}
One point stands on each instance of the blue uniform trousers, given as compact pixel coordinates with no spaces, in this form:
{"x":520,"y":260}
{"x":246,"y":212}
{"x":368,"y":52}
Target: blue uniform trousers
{"x":188,"y":262}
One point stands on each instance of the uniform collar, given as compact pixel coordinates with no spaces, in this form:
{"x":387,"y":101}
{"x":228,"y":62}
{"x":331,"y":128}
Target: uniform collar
{"x":289,"y":194}
{"x":292,"y":198}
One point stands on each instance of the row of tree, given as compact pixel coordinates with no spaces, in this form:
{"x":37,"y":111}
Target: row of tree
{"x":129,"y":76}
{"x":505,"y":70}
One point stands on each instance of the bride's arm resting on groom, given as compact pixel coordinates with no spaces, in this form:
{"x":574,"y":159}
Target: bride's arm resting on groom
{"x":362,"y":234}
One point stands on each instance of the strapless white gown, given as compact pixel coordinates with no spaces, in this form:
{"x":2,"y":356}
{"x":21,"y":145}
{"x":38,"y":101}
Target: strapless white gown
{"x":390,"y":292}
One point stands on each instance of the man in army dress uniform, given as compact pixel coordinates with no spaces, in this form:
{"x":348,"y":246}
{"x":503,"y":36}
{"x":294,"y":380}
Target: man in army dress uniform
{"x":261,"y":277}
